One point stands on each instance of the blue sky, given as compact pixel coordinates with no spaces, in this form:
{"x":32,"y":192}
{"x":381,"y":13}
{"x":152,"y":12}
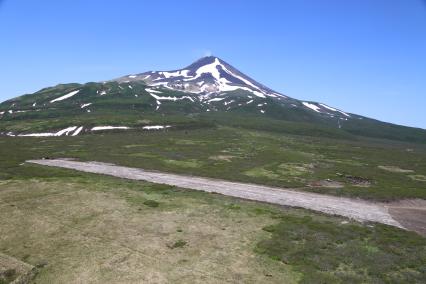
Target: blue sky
{"x":363,"y":56}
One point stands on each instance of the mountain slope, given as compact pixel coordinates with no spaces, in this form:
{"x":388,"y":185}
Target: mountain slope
{"x":205,"y":93}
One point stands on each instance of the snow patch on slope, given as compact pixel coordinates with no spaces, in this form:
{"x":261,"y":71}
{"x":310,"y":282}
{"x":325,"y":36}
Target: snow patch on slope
{"x":179,"y":73}
{"x":65,"y":131}
{"x":158,"y":98}
{"x":216,"y":100}
{"x":155,"y":127}
{"x":328,"y":107}
{"x":77,"y":131}
{"x":153,"y":91}
{"x":98,"y":128}
{"x":334,"y":109}
{"x":85,"y":105}
{"x":69,"y":95}
{"x":311,"y":106}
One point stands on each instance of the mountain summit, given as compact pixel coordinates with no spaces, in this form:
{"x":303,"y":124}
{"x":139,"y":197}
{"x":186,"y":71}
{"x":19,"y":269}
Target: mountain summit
{"x":207,"y":93}
{"x":208,"y":75}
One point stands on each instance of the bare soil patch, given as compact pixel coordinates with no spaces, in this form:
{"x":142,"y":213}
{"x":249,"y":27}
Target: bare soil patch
{"x":13,"y":270}
{"x":395,"y":169}
{"x":326,"y":184}
{"x":410,"y":213}
{"x":226,"y":158}
{"x":418,"y":177}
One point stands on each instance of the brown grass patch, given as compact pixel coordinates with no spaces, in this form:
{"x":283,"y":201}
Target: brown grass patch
{"x":90,"y":233}
{"x":227,"y":158}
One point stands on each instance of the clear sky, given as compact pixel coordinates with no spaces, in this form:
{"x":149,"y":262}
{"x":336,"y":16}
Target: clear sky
{"x":363,"y":56}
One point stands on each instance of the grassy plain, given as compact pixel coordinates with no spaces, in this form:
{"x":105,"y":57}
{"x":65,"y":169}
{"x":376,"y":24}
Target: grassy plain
{"x":371,"y":169}
{"x":82,"y":228}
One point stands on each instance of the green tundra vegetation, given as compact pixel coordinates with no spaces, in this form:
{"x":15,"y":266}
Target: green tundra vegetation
{"x":78,"y":227}
{"x":367,"y":168}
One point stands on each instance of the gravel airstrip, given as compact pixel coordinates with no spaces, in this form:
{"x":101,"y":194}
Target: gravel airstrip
{"x":359,"y":210}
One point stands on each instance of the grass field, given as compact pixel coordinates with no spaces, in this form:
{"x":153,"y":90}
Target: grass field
{"x":370,"y":169}
{"x":82,"y":228}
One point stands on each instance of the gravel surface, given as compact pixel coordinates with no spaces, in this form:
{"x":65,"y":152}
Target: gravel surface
{"x":352,"y":208}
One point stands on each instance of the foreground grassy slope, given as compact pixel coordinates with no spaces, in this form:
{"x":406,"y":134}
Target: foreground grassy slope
{"x":370,"y":169}
{"x":87,"y":229}
{"x":94,"y":229}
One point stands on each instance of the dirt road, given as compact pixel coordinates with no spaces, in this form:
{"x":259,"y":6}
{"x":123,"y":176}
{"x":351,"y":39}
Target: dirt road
{"x":355,"y":209}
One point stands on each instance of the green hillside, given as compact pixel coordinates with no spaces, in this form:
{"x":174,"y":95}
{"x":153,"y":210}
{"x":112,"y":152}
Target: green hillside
{"x":130,"y":104}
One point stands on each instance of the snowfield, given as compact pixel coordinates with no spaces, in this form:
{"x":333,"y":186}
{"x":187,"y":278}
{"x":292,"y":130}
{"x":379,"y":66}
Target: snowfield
{"x":65,"y":131}
{"x":77,"y":130}
{"x":334,"y":109}
{"x":85,"y":105}
{"x":67,"y":96}
{"x":311,"y":106}
{"x":156,"y":127}
{"x":98,"y":128}
{"x":158,"y":98}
